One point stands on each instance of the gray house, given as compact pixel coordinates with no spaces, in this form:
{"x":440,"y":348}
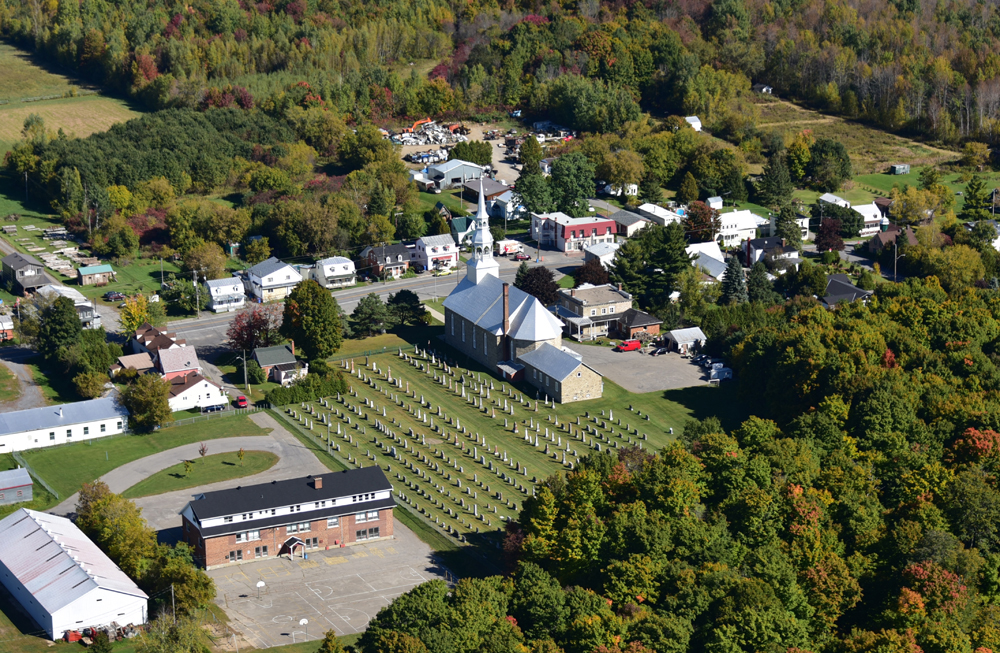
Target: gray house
{"x":15,"y":486}
{"x":24,"y":273}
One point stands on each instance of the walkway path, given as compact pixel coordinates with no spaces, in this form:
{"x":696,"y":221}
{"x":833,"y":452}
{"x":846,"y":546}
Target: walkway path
{"x":31,"y":395}
{"x":161,"y":510}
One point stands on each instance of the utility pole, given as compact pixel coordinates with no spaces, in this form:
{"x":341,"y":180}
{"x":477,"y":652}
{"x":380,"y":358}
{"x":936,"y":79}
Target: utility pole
{"x":173,"y":605}
{"x":197,"y":296}
{"x":161,"y":273}
{"x":246,"y":383}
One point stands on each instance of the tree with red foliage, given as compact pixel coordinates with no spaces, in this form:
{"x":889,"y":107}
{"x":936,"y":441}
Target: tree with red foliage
{"x":889,"y":360}
{"x":701,"y":223}
{"x":938,"y":589}
{"x":975,"y":446}
{"x":828,"y":239}
{"x":255,"y":326}
{"x":592,"y":272}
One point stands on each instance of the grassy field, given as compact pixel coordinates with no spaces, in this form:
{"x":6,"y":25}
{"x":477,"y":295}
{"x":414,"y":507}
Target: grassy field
{"x":66,"y":468}
{"x":9,"y":387}
{"x":210,"y":469}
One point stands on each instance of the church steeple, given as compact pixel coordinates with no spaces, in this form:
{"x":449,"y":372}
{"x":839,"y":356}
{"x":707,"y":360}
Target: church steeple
{"x":482,"y":263}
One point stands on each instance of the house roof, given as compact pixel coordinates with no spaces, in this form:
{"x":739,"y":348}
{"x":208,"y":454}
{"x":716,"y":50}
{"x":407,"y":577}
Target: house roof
{"x":44,"y":417}
{"x":688,"y":336}
{"x":888,"y":237}
{"x":17,"y":260}
{"x":462,"y":224}
{"x":627,"y":218}
{"x":140,"y":362}
{"x":551,"y":360}
{"x":830,"y":198}
{"x":335,"y":260}
{"x":6,"y":322}
{"x":712,"y":266}
{"x":883,"y":202}
{"x":596,"y":295}
{"x":531,"y":322}
{"x":382,"y":253}
{"x":710,"y":248}
{"x":96,"y":269}
{"x":276,"y":494}
{"x":269,"y":266}
{"x":713,"y":200}
{"x":839,"y":288}
{"x":14,"y":478}
{"x":269,"y":356}
{"x":490,"y":187}
{"x":636,"y":318}
{"x":55,"y":562}
{"x":448,"y":166}
{"x":178,"y":359}
{"x":601,"y":249}
{"x":740,"y":220}
{"x":482,"y":304}
{"x":52,"y":291}
{"x":442,"y":240}
{"x":871,"y":212}
{"x":223,"y":283}
{"x":181,"y":384}
{"x":561,"y":218}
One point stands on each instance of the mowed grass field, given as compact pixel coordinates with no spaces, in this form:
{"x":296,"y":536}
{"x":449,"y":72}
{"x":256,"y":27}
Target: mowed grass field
{"x":23,"y":80}
{"x":210,"y":469}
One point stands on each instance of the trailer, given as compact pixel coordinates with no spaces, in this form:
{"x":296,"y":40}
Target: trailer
{"x":505,"y":247}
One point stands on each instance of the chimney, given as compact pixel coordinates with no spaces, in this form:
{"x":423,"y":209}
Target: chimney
{"x":619,"y":287}
{"x":572,"y":292}
{"x":318,"y":483}
{"x":293,"y":348}
{"x":60,"y":411}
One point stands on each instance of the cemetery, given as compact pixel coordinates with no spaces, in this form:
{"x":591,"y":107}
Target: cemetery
{"x":461,"y":448}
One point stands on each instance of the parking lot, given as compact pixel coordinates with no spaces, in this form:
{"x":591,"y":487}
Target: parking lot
{"x":641,"y":372}
{"x":341,"y":589}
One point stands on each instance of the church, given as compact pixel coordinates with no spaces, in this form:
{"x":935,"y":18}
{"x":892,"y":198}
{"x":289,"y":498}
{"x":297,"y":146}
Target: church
{"x":510,"y":331}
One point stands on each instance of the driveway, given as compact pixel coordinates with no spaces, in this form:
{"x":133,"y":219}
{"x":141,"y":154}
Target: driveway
{"x":162,"y":510}
{"x":340,"y":589}
{"x":31,"y":395}
{"x":641,"y":373}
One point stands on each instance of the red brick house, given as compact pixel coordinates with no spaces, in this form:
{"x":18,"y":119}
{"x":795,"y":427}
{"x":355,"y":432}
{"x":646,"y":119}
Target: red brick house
{"x":289,"y":517}
{"x":633,"y":322}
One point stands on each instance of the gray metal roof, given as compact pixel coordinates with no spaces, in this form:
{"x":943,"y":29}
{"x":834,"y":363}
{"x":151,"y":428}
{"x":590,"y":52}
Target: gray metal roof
{"x":264,"y":268}
{"x":268,"y":356}
{"x":713,"y":266}
{"x":482,"y":305}
{"x":627,"y":218}
{"x":17,"y":260}
{"x":46,"y":417}
{"x":601,"y":249}
{"x":442,"y":240}
{"x":552,"y":361}
{"x":14,"y":478}
{"x":222,"y":283}
{"x":448,"y":166}
{"x":690,"y":335}
{"x":56,"y":562}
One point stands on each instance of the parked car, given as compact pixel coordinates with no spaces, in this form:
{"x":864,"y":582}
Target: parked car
{"x":241,"y":402}
{"x":213,"y":409}
{"x":443,"y":273}
{"x":521,"y":256}
{"x":113,"y":296}
{"x":659,"y":351}
{"x":629,"y":345}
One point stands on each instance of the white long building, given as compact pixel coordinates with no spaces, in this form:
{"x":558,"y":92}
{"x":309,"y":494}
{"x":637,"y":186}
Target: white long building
{"x":60,"y":577}
{"x":50,"y":425}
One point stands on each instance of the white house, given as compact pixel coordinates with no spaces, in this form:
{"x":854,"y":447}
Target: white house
{"x":271,"y":280}
{"x":695,"y":122}
{"x":454,"y":173}
{"x":630,"y":190}
{"x":737,"y":226}
{"x":872,"y":216}
{"x":546,"y":165}
{"x":435,"y":252}
{"x":603,"y":252}
{"x":685,"y":340}
{"x":571,"y":234}
{"x":35,"y":428}
{"x":61,"y":578}
{"x":757,"y":248}
{"x":660,"y":215}
{"x":225,"y":294}
{"x":335,"y":272}
{"x":714,"y":203}
{"x":969,"y":226}
{"x":506,"y":207}
{"x":830,"y":198}
{"x":708,"y":258}
{"x":194,"y":391}
{"x":801,"y":220}
{"x":85,"y":308}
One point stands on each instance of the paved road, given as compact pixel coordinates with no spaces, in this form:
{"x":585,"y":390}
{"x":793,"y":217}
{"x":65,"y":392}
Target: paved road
{"x":31,"y":395}
{"x":161,"y":511}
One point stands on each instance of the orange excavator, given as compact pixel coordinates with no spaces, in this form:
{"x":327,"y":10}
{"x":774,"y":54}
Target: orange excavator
{"x":419,"y":123}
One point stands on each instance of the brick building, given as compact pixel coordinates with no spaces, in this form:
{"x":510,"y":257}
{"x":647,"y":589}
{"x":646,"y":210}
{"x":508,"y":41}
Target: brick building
{"x":289,"y":517}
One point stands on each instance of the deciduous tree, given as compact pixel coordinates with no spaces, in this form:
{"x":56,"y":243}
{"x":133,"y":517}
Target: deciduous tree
{"x":701,"y":223}
{"x":572,"y":184}
{"x":255,"y":326}
{"x":312,"y":321}
{"x":478,"y":152}
{"x":591,"y":272}
{"x":257,"y":250}
{"x":828,"y":238}
{"x":147,"y":401}
{"x":688,"y":191}
{"x":59,"y":327}
{"x":539,"y":282}
{"x":406,"y":308}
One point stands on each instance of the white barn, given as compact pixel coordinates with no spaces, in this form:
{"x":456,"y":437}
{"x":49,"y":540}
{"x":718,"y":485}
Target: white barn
{"x":61,"y":579}
{"x":50,"y":425}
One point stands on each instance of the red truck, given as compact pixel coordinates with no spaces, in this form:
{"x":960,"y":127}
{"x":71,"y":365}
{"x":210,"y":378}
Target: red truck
{"x":629,"y":345}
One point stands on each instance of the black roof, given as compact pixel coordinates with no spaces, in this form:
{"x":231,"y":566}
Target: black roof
{"x":636,"y":318}
{"x":17,"y":260}
{"x":276,"y":494}
{"x":238,"y":526}
{"x":839,"y":288}
{"x":766,"y":243}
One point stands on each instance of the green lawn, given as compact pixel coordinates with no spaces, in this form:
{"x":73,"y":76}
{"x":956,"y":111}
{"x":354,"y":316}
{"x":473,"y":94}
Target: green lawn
{"x":10,"y":389}
{"x":452,"y":199}
{"x":66,"y":468}
{"x":210,"y":469}
{"x":312,"y":645}
{"x":56,"y":388}
{"x":566,"y":281}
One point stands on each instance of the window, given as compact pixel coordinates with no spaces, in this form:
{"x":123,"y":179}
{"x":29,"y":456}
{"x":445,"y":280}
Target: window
{"x":611,"y":310}
{"x":86,"y":430}
{"x":593,"y":311}
{"x":604,"y":311}
{"x":227,"y":520}
{"x":269,"y":279}
{"x":104,"y":427}
{"x":373,"y":515}
{"x":372,"y":533}
{"x":593,"y":232}
{"x":249,"y":536}
{"x":484,"y":343}
{"x":463,"y":328}
{"x":52,"y":435}
{"x":473,"y":339}
{"x":231,"y":556}
{"x":452,"y":324}
{"x":332,"y":522}
{"x":360,"y":518}
{"x":239,"y":555}
{"x":69,"y":433}
{"x":119,"y":425}
{"x":302,"y":527}
{"x":361,"y":535}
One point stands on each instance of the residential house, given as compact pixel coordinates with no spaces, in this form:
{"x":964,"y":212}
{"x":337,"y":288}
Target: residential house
{"x":6,"y":328}
{"x":887,"y":238}
{"x":95,"y":275}
{"x":801,"y":220}
{"x":225,"y":295}
{"x":279,"y":363}
{"x":763,"y":89}
{"x":454,"y":173}
{"x":46,"y":426}
{"x":884,"y":205}
{"x":61,"y":579}
{"x":271,"y":280}
{"x":387,"y":260}
{"x":686,"y":341}
{"x":141,"y":363}
{"x":195,"y":391}
{"x":561,"y":374}
{"x":324,"y":511}
{"x":178,"y":361}
{"x":435,"y":253}
{"x":491,"y":189}
{"x":591,"y":312}
{"x":969,"y":226}
{"x":872,"y":216}
{"x":568,"y":234}
{"x":708,"y":258}
{"x":16,"y":486}
{"x":695,"y":122}
{"x":757,"y":248}
{"x":546,"y":165}
{"x":443,"y":210}
{"x":506,"y":207}
{"x":335,"y":272}
{"x":830,"y":198}
{"x":148,"y":339}
{"x":714,"y":203}
{"x":461,"y":229}
{"x":633,"y":322}
{"x":840,"y":289}
{"x":23,"y":273}
{"x":660,"y":215}
{"x":629,"y":224}
{"x":737,"y":226}
{"x":85,"y":308}
{"x":603,"y":252}
{"x":630,"y":190}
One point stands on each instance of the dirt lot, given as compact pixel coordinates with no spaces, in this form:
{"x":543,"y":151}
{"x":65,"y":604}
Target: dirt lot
{"x":505,"y":171}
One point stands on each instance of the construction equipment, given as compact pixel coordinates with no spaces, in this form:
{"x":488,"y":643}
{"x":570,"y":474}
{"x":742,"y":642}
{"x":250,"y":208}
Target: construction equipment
{"x":418,"y":124}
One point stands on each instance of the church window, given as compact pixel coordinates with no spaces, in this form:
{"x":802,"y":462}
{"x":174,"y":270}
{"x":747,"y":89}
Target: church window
{"x":452,"y":324}
{"x":473,"y":338}
{"x":484,"y":343}
{"x":463,"y":330}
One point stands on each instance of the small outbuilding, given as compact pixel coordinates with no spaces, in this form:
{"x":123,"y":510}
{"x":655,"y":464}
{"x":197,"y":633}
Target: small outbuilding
{"x":899,"y":169}
{"x":95,"y":275}
{"x":686,"y":341}
{"x":695,"y":122}
{"x":15,"y":486}
{"x":714,"y":203}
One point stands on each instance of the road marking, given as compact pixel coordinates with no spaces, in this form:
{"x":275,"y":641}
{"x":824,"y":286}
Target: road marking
{"x":360,"y":554}
{"x":336,"y":561}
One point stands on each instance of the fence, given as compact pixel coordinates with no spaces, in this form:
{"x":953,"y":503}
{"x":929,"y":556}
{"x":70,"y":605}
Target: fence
{"x":20,"y":461}
{"x":219,"y":415}
{"x":373,"y":352}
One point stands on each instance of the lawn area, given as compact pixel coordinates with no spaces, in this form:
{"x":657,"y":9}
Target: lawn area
{"x":10,"y":389}
{"x":312,"y":645}
{"x":66,"y":468}
{"x":566,"y":281}
{"x":210,"y":469}
{"x":41,"y":498}
{"x":56,"y":388}
{"x":451,"y":198}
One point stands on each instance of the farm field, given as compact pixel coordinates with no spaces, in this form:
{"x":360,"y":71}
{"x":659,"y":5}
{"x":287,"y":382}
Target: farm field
{"x":209,"y":469}
{"x":446,"y":435}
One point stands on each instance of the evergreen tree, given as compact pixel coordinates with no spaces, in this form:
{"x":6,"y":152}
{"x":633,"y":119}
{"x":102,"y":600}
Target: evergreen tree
{"x":734,"y":187}
{"x":929,"y":177}
{"x":688,"y":191}
{"x":977,"y":201}
{"x":759,"y":287}
{"x":775,"y":185}
{"x":734,"y":286}
{"x":531,"y":158}
{"x":649,"y":189}
{"x":788,"y":228}
{"x":59,"y":327}
{"x":522,"y":272}
{"x":630,"y":268}
{"x":667,"y":259}
{"x":312,"y":320}
{"x":330,"y":643}
{"x":406,"y":308}
{"x":371,"y":316}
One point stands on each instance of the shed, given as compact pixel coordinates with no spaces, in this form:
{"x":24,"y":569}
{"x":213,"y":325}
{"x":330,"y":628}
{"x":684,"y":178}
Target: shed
{"x":714,"y":203}
{"x":95,"y":275}
{"x":899,"y":169}
{"x":15,"y":486}
{"x":763,"y":88}
{"x":686,"y":340}
{"x":695,"y":122}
